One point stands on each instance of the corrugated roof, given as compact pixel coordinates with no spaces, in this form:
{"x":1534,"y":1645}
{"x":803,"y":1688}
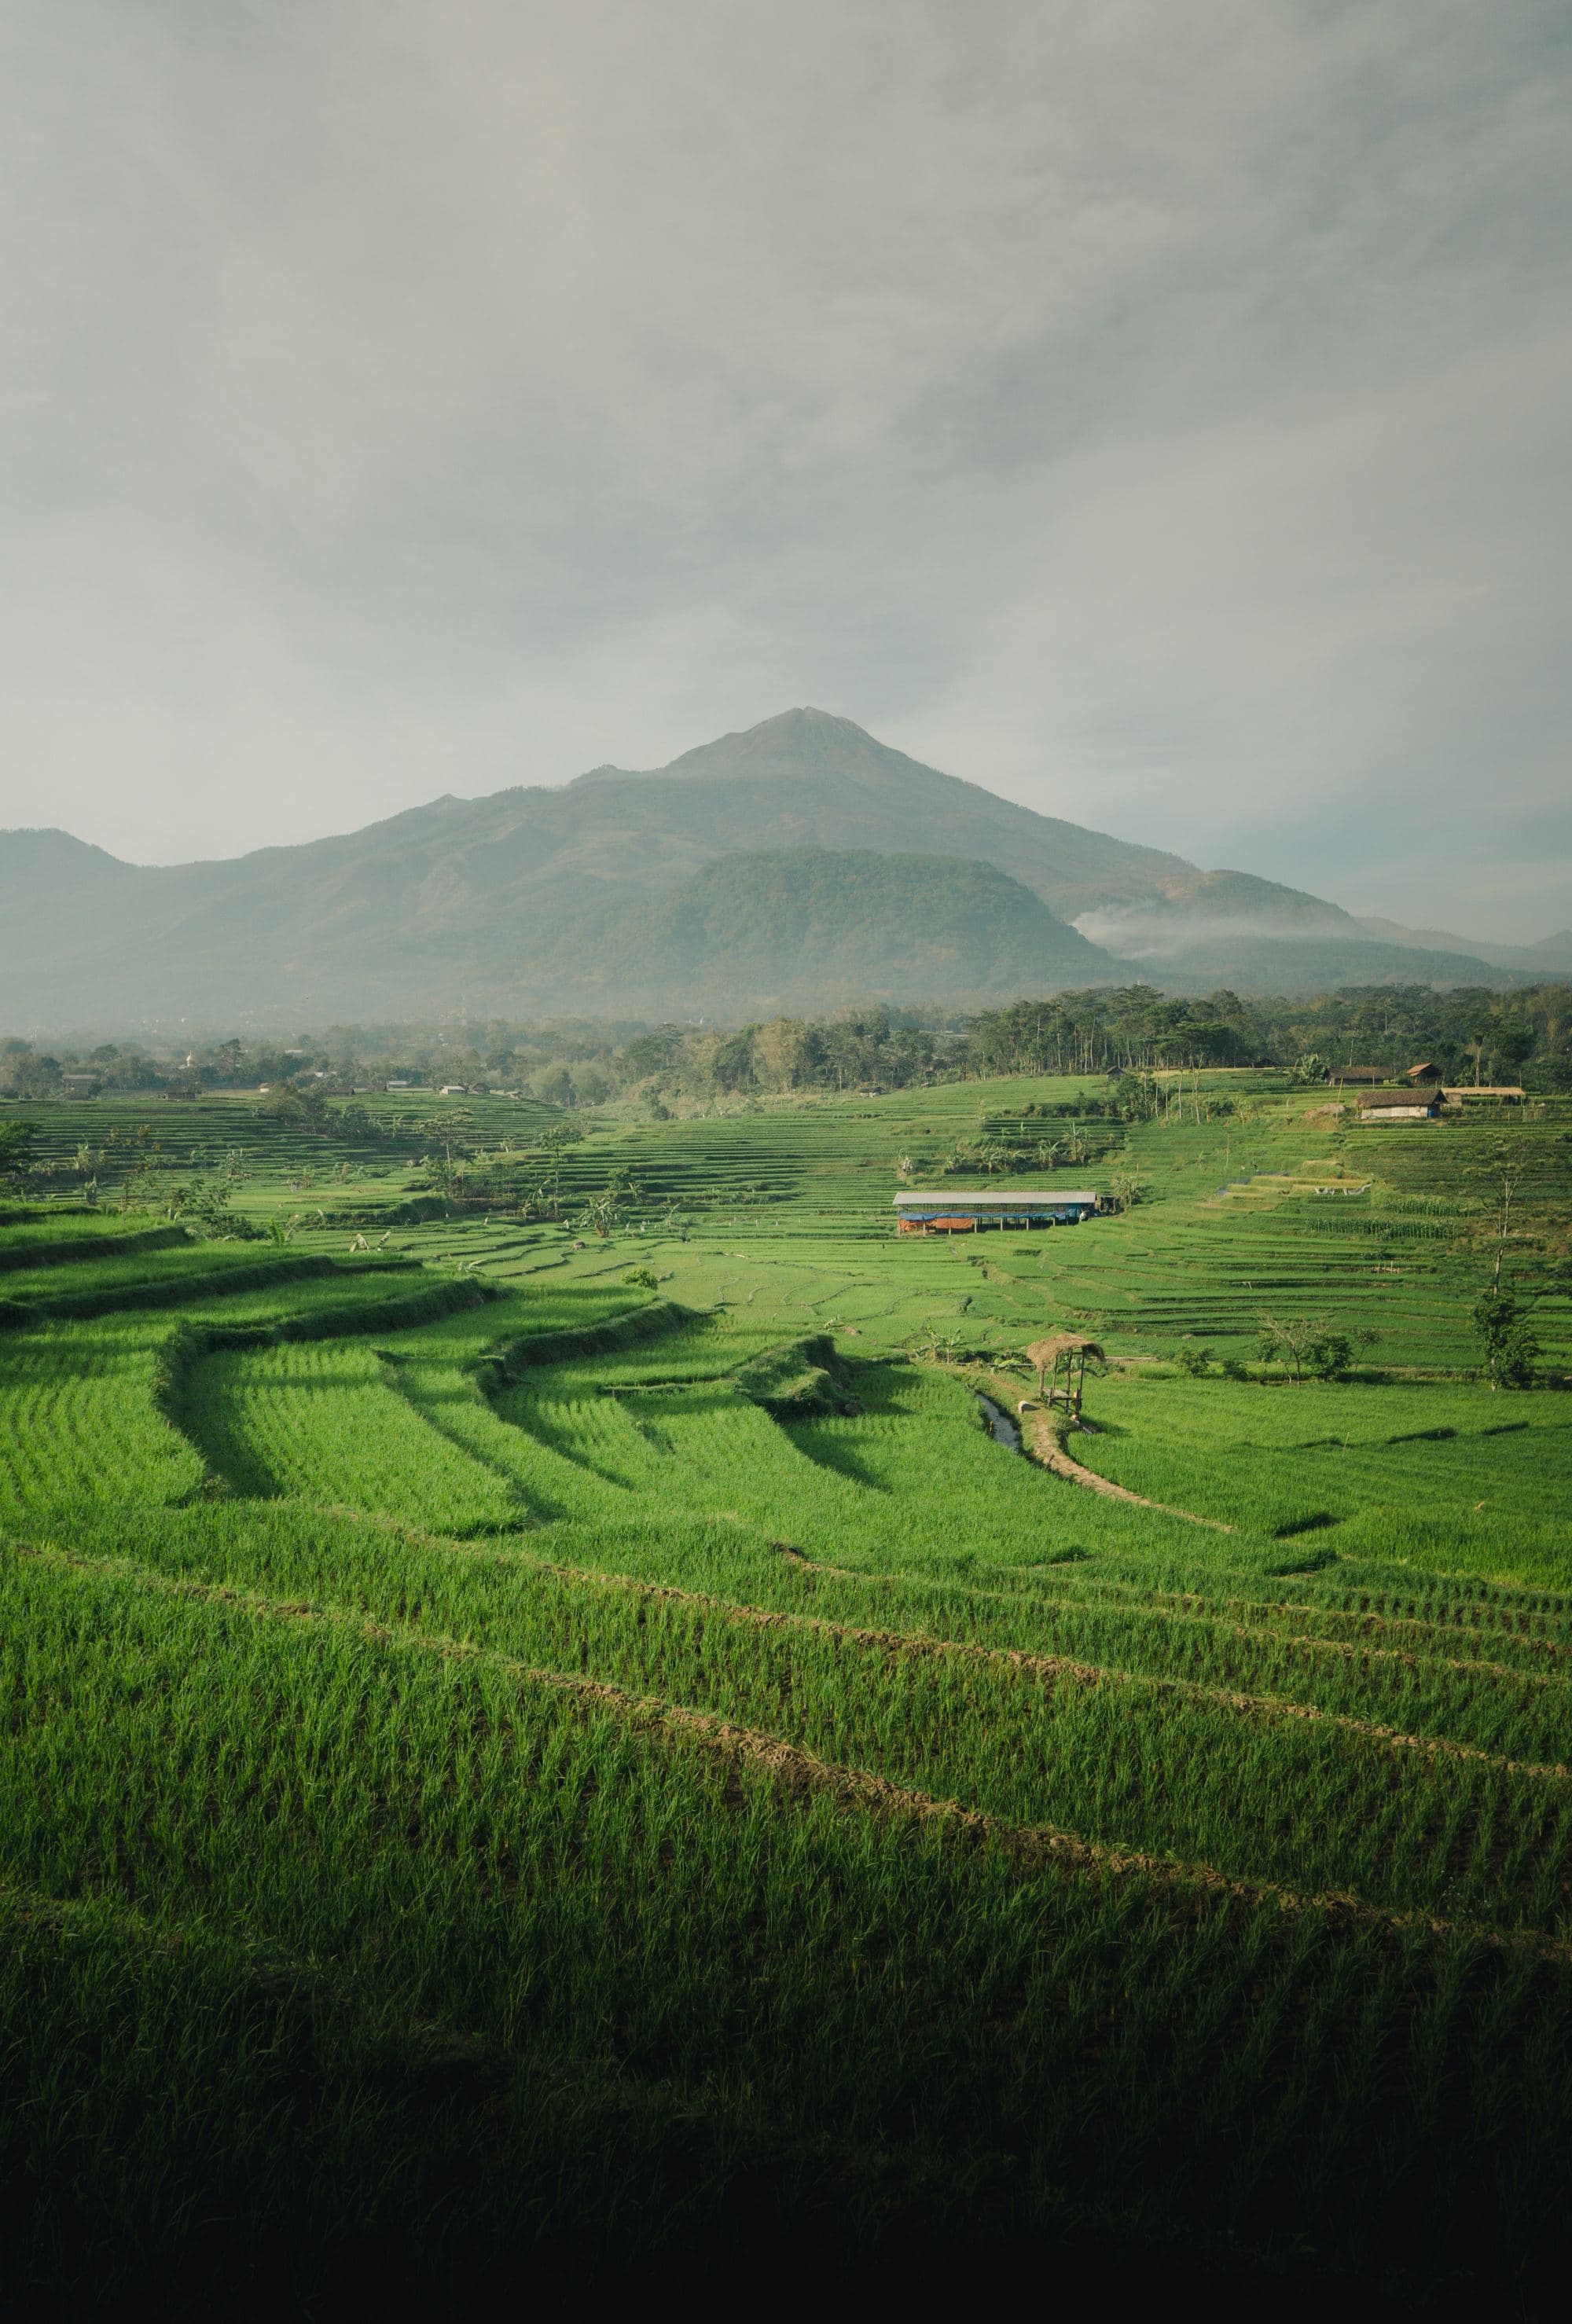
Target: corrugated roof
{"x":1014,"y":1197}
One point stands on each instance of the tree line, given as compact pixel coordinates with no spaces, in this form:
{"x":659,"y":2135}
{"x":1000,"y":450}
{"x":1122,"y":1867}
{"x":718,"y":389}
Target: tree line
{"x":1472,"y":1035}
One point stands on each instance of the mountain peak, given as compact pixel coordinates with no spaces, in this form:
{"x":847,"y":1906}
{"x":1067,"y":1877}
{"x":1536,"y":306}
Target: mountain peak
{"x":807,"y":720}
{"x":803,"y":741}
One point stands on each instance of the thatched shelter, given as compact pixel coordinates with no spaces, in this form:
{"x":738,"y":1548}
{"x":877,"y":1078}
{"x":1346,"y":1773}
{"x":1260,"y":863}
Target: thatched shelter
{"x":1071,"y":1351}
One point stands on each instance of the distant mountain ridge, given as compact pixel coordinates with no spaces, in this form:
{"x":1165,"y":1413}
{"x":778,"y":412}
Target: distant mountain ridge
{"x":1204,"y":929}
{"x":599,"y":896}
{"x":1551,"y":956}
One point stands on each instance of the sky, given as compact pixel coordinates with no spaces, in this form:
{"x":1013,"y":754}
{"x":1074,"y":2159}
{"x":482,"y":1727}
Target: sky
{"x":1159,"y":414}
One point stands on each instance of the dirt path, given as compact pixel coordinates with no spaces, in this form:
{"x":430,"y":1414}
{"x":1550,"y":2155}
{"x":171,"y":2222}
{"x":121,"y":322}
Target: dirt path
{"x":1043,"y":1442}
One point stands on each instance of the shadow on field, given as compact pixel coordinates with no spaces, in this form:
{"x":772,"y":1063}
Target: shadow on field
{"x":825,"y":1444}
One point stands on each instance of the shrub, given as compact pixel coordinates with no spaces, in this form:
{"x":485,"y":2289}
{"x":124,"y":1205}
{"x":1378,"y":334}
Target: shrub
{"x":1506,"y":1340}
{"x":1328,"y":1355}
{"x":1304,"y":1346}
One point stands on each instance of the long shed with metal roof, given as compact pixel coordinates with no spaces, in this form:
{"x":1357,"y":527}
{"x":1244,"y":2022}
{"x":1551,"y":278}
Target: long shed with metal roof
{"x":918,"y":1212}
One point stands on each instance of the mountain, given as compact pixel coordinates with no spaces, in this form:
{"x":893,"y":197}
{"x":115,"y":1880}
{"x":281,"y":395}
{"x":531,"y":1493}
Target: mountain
{"x":461,"y":900}
{"x":537,"y":899}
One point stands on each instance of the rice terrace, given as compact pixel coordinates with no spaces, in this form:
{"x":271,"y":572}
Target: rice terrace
{"x":577,"y":1700}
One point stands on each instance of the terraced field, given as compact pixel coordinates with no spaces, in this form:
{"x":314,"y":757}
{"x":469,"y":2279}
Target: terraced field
{"x":288,"y":1170}
{"x":512,"y":1774}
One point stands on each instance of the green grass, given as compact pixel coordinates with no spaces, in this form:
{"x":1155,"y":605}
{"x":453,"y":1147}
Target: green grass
{"x":48,"y":1238}
{"x":512,"y":1776}
{"x":505,"y":1964}
{"x":1467,"y":1479}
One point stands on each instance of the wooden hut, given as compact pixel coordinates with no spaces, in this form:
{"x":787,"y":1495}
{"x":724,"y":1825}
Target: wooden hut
{"x":1068,"y":1353}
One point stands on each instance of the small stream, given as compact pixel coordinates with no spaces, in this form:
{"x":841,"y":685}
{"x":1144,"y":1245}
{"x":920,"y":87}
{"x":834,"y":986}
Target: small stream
{"x":1005,"y":1431}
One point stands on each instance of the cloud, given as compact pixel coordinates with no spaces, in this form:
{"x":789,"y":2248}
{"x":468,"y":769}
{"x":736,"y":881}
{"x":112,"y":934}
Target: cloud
{"x":1158,"y":414}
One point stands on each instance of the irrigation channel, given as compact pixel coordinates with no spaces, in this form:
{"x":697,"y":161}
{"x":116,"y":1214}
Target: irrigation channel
{"x":1005,"y":1431}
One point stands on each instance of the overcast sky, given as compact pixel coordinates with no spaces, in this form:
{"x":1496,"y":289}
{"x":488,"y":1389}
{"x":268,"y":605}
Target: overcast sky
{"x":1155,"y":409}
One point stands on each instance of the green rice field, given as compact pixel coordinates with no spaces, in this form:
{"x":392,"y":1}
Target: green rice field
{"x":546,"y":1744}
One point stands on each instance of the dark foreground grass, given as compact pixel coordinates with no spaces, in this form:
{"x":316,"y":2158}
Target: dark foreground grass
{"x":468,"y":1977}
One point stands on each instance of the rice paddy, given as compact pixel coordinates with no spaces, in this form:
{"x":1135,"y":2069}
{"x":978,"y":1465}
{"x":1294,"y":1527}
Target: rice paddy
{"x":557,"y":1751}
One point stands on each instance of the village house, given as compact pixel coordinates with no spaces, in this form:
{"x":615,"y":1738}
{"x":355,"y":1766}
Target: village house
{"x":1398,"y":1104}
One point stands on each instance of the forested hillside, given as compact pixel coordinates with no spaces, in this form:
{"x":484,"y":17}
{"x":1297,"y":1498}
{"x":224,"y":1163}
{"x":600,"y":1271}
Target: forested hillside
{"x":807,"y":929}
